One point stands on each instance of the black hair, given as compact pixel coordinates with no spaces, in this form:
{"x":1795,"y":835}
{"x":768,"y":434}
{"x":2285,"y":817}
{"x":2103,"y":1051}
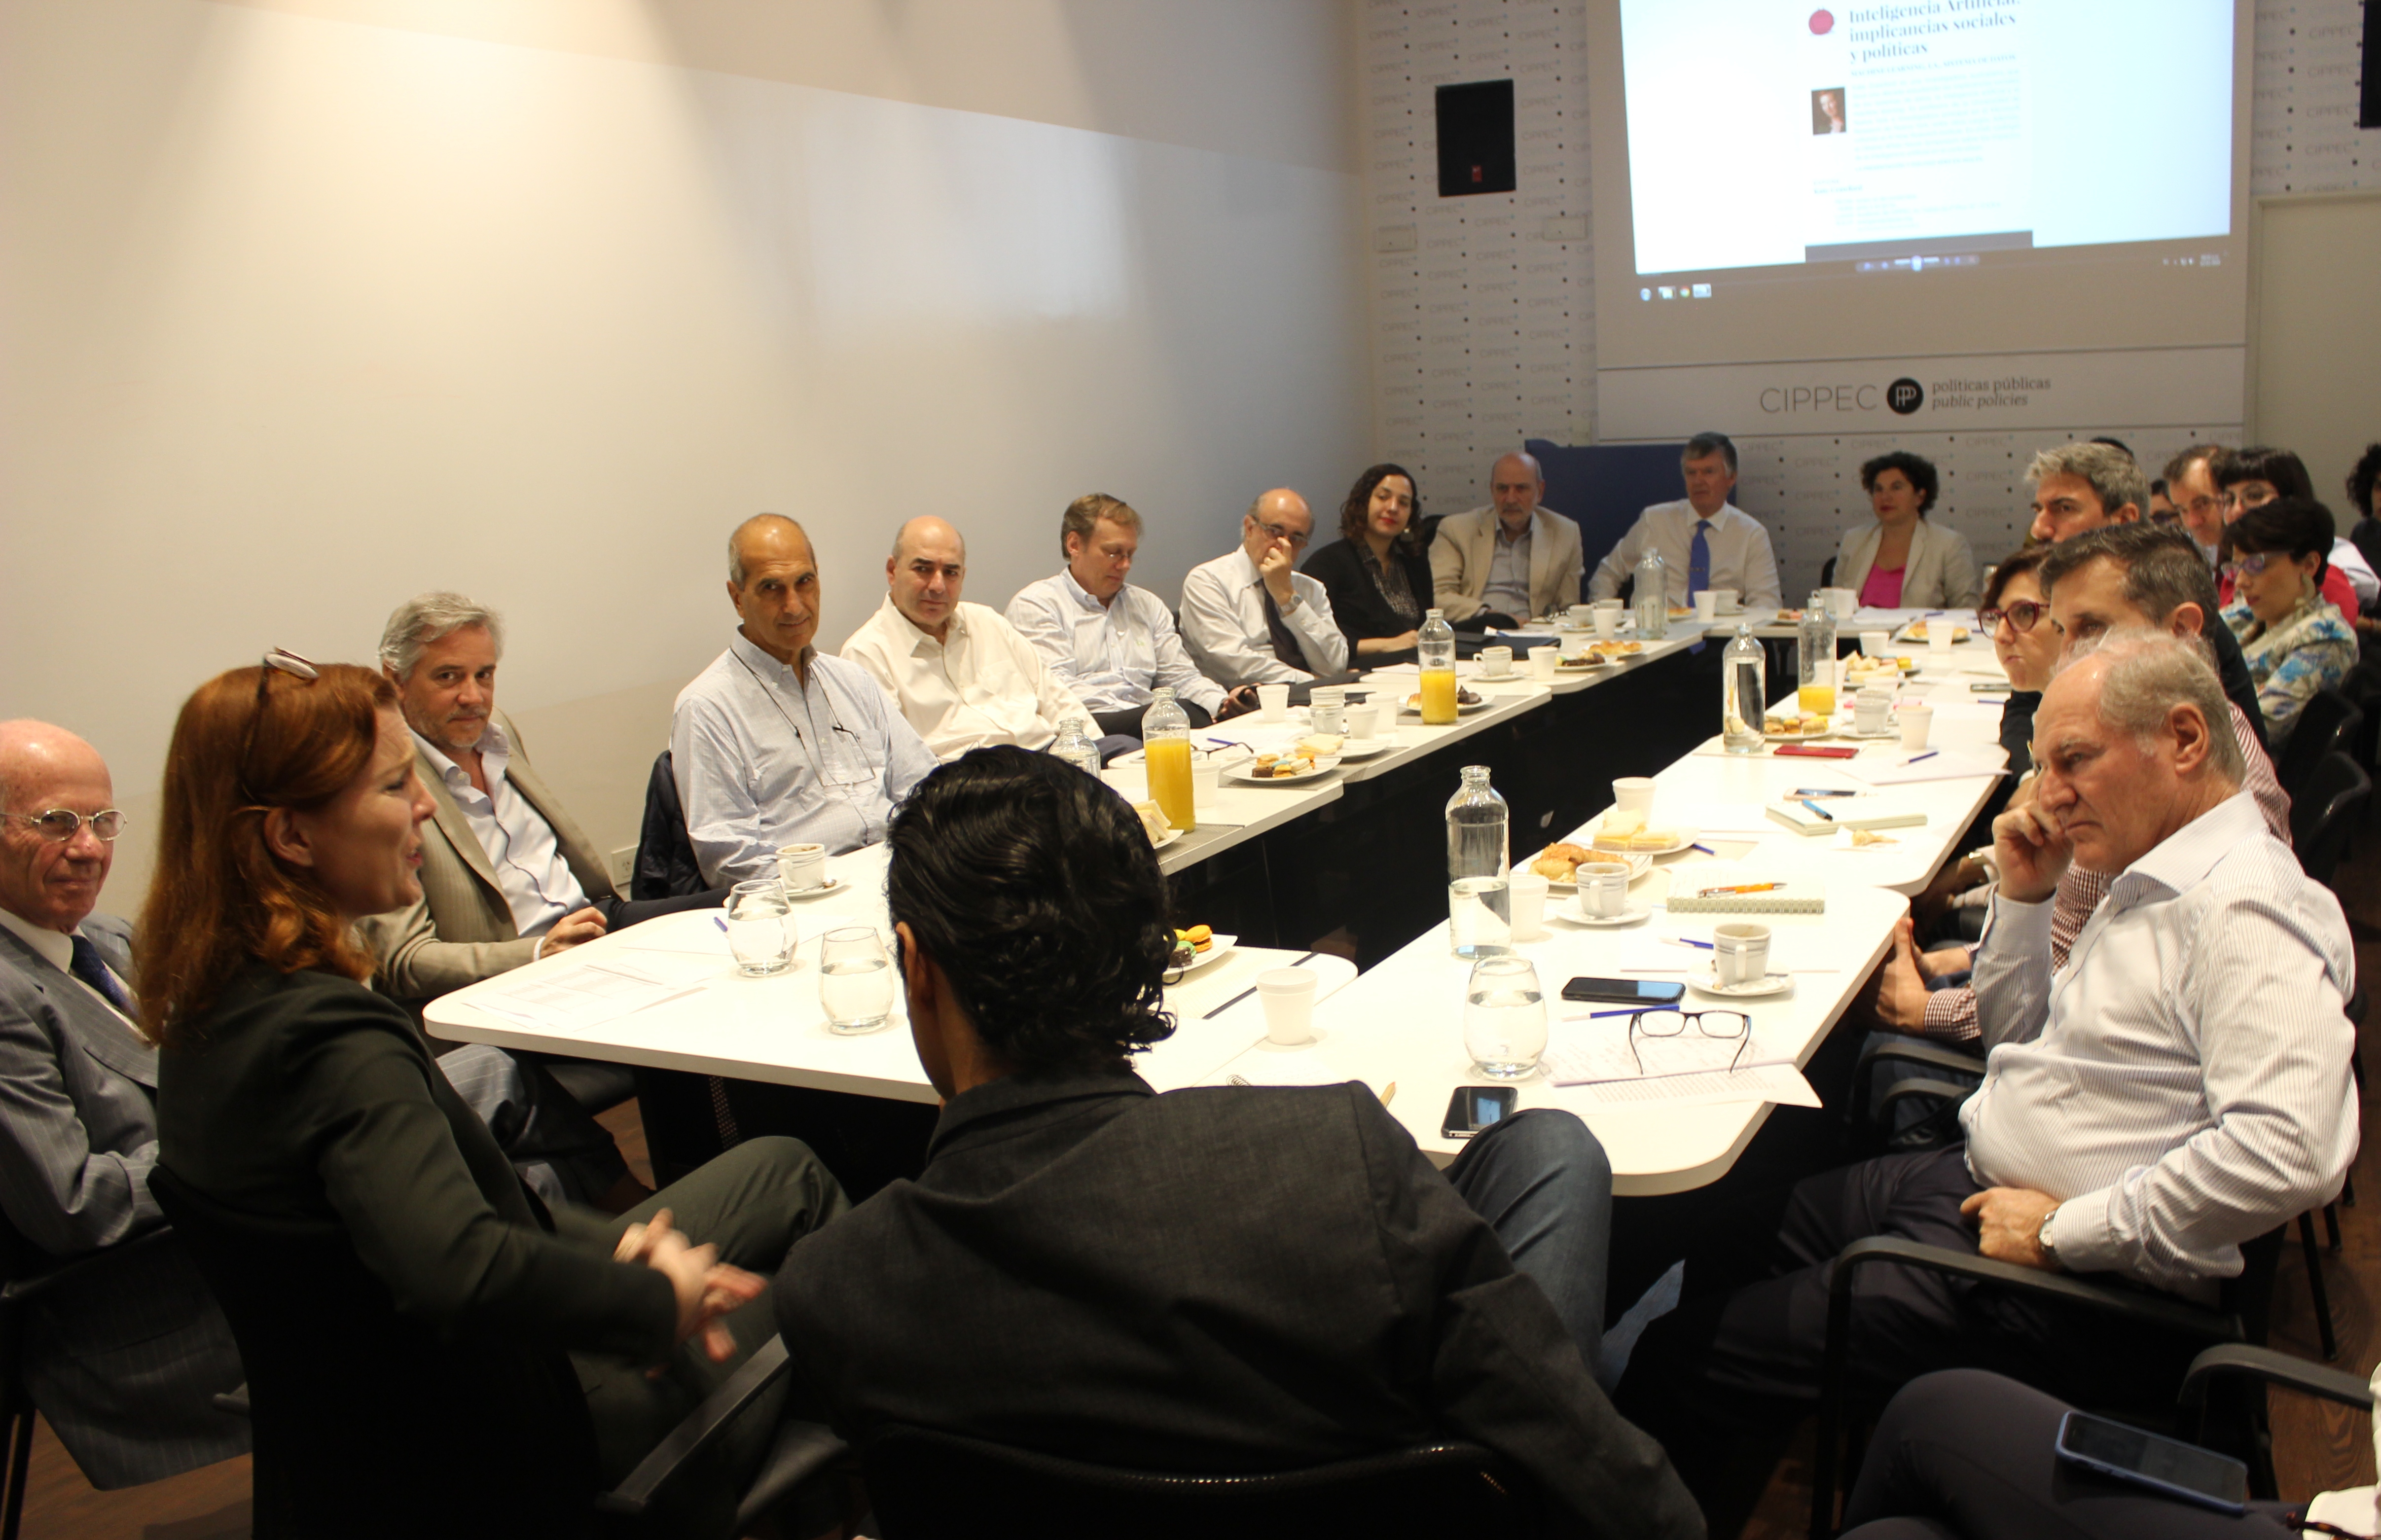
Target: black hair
{"x":1353,"y":512}
{"x":2278,"y":468}
{"x":2295,"y":527}
{"x":1919,"y":470}
{"x":2361,"y":478}
{"x":1702,"y":446}
{"x":1034,"y":888}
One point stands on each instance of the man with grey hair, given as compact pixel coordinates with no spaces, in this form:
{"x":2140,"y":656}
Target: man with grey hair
{"x":2083,"y":486}
{"x":2184,"y":1089}
{"x":1510,"y":560}
{"x":1705,"y":541}
{"x":508,"y":875}
{"x":776,"y":743}
{"x":1250,"y":616}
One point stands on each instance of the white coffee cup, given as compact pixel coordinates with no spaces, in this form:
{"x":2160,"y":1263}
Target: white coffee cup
{"x":1741,"y":953}
{"x":1603,"y":888}
{"x":1874,"y":643}
{"x":1607,"y":622}
{"x":801,"y":867}
{"x":1288,"y":998}
{"x":1917,"y":720}
{"x":1727,"y":598}
{"x":1582,"y":615}
{"x":1364,"y":720}
{"x":1872,"y":710}
{"x":1496,"y":663}
{"x":1706,"y":605}
{"x":1328,"y":705}
{"x":1841,"y":602}
{"x":1273,"y":703}
{"x":1542,"y":661}
{"x":1525,"y":892}
{"x":1634,"y":794}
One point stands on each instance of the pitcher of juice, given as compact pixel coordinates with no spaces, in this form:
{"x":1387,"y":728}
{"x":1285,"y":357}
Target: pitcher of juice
{"x":1815,"y":660}
{"x":1165,"y":744}
{"x":1435,"y":646}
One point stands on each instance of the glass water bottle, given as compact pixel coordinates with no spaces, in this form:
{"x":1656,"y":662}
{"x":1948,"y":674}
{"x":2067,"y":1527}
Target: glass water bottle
{"x":1478,"y":910}
{"x":1651,"y":599}
{"x":1165,"y":744}
{"x":1434,"y":644}
{"x":1744,"y":692}
{"x":1815,"y":661}
{"x":1077,"y":746}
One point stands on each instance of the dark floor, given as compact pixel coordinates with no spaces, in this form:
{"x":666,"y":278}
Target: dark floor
{"x":2316,"y":1445}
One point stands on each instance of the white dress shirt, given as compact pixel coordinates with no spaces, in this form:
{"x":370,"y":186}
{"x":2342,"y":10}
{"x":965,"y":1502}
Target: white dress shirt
{"x":2181,"y":1085}
{"x":58,"y":947}
{"x":1223,"y":624}
{"x":532,"y":872}
{"x":1741,"y":558}
{"x":2361,"y":576}
{"x":1111,"y":657}
{"x":762,"y":761}
{"x":984,"y":685}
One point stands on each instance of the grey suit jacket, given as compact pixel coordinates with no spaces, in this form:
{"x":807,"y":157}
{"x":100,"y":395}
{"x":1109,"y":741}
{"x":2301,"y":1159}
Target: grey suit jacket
{"x":1940,"y":572}
{"x":122,"y":1363}
{"x":1466,"y":544}
{"x":461,"y":931}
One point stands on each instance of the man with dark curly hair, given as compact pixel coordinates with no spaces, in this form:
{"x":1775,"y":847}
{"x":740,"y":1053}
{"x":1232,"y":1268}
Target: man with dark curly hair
{"x":1221,"y":1279}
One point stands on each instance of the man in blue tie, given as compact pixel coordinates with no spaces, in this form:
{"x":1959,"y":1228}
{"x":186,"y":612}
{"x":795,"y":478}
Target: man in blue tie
{"x":1705,"y":541}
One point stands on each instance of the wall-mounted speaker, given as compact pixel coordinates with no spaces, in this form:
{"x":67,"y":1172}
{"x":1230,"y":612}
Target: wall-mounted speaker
{"x":1475,"y":139}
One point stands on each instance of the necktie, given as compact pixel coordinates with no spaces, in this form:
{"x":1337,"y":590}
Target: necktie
{"x":1285,"y":640}
{"x":87,"y":967}
{"x":1698,"y":563}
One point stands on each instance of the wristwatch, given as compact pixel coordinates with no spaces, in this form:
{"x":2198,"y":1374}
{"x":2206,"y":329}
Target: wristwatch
{"x":2041,"y":1236}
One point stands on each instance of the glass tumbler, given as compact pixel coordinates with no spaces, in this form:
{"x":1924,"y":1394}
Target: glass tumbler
{"x":855,"y":980}
{"x":1504,"y":1018}
{"x":760,"y":928}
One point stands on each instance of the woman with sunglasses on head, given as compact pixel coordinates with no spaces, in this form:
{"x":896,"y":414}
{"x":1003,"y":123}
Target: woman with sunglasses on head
{"x":430,"y":1348}
{"x":2253,"y":477}
{"x":1377,"y":572}
{"x":2294,"y":640}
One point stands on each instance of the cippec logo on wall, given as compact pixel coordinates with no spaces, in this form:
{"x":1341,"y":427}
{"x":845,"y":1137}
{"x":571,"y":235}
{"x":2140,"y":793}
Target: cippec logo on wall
{"x":1903,"y":397}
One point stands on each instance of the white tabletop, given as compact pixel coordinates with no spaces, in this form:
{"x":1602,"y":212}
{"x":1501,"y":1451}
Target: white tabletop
{"x":774,"y":1030}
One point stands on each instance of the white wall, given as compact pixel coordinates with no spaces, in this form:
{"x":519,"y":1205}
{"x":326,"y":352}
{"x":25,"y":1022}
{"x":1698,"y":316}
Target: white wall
{"x":309,"y":305}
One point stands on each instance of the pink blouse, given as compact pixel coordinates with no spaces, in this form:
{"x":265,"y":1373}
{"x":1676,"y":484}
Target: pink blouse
{"x":1883,"y":589}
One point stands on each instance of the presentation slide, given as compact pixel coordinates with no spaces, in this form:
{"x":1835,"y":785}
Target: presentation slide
{"x":1791,"y":167}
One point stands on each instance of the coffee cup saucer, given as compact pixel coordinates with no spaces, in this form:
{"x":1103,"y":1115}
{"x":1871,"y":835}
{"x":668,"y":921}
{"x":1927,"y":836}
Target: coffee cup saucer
{"x":1628,"y":916}
{"x":1708,"y":983}
{"x":830,"y":886}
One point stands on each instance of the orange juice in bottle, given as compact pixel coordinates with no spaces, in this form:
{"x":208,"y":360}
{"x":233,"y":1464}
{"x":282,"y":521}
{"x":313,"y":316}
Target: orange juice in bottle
{"x":1165,"y":744}
{"x":1816,"y":700}
{"x":1435,"y":645}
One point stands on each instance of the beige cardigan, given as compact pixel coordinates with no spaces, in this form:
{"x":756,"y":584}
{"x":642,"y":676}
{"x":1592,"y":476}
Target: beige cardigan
{"x":1940,"y":573}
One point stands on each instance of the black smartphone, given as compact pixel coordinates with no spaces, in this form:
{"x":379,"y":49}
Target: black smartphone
{"x":1473,"y":1107}
{"x":1627,"y":992}
{"x":2167,"y":1465}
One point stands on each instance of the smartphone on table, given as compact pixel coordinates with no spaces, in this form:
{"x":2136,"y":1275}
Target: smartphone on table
{"x":1474,"y":1108}
{"x":1627,"y":992}
{"x":2183,"y":1471}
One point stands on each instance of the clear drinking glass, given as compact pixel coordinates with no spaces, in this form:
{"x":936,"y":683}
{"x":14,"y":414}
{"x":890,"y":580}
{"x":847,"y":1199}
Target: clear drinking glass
{"x":760,"y":928}
{"x":1504,"y":1018}
{"x":855,"y":980}
{"x":1480,"y":916}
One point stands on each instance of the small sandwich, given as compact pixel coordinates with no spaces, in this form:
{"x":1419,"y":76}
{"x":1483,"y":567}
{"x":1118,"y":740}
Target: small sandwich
{"x":1617,"y":830}
{"x":1320,"y":745}
{"x":1653,"y":839}
{"x":1153,"y":820}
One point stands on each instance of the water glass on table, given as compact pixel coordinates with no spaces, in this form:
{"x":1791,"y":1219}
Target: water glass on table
{"x":761,"y":927}
{"x":1504,"y":1018}
{"x":855,"y":980}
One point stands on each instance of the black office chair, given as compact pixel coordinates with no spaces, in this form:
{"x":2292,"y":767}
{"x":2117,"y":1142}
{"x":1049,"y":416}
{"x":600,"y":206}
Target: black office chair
{"x":1827,"y":573}
{"x":2324,"y":815}
{"x":2362,"y":687}
{"x":2328,"y":722}
{"x":2240,"y":1315}
{"x":491,"y":1437}
{"x":1871,"y":1130}
{"x":931,"y":1485}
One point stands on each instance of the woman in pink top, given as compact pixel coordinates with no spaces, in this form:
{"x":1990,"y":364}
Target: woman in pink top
{"x":1903,"y":560}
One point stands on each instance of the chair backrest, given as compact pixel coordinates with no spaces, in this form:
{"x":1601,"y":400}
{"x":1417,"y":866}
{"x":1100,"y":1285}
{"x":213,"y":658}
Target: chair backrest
{"x":2327,"y":722}
{"x":666,"y":864}
{"x":2363,"y":687}
{"x":927,"y":1485}
{"x":371,"y":1423}
{"x":2324,"y":815}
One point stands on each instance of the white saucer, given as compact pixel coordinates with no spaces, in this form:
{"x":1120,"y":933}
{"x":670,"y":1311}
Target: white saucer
{"x":1507,"y":677}
{"x":1604,"y":922}
{"x":1882,"y":733}
{"x":1365,"y":747}
{"x":1773,"y":983}
{"x":821,"y":891}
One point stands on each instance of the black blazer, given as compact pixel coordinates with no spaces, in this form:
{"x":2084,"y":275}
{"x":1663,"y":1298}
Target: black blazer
{"x":1356,"y":601}
{"x":1216,"y":1281}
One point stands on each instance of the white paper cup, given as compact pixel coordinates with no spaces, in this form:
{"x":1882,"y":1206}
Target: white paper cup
{"x":1741,"y":953}
{"x":1917,"y":719}
{"x":1607,"y":622}
{"x":1526,"y":892}
{"x":1288,"y":996}
{"x":1542,"y":661}
{"x":1938,"y":638}
{"x":1603,"y":888}
{"x":801,"y":867}
{"x":1706,"y":605}
{"x":1634,"y":794}
{"x":1363,"y":720}
{"x":1874,"y":643}
{"x":1496,"y":663}
{"x":1273,"y":703}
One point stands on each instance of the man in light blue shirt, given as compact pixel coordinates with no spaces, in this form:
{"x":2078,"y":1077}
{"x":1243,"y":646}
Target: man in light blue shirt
{"x":777,"y":743}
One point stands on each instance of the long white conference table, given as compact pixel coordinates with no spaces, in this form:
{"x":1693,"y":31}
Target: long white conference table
{"x":1400,"y":1024}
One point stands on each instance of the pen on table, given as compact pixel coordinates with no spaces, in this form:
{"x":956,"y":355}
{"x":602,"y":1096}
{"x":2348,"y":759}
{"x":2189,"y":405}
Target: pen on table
{"x":1915,"y":758}
{"x":1817,"y":809}
{"x":1822,"y":791}
{"x":717,"y":921}
{"x":1249,"y":991}
{"x":1688,"y":941}
{"x":1704,"y":849}
{"x":1742,"y":888}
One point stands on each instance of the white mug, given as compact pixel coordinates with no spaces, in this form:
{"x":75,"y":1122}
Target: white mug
{"x":1364,"y":720}
{"x":1582,"y":615}
{"x":1841,"y":602}
{"x":1328,"y":705}
{"x":1496,"y":663}
{"x":801,"y":867}
{"x":1872,"y":709}
{"x":1603,"y":888}
{"x":1741,"y":953}
{"x":1727,"y":598}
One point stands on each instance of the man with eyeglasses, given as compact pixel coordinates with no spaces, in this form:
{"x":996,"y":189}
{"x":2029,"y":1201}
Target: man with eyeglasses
{"x":1510,"y":561}
{"x":1251,"y":618}
{"x":124,"y":1362}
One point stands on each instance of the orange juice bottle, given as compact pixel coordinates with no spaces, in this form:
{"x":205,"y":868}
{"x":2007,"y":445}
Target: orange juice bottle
{"x":1165,"y":744}
{"x":1435,"y":645}
{"x":1816,"y":700}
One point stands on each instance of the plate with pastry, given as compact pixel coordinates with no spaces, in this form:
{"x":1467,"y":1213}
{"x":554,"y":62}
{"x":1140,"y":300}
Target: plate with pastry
{"x":1630,"y":834}
{"x":1152,"y":823}
{"x":1789,"y":726}
{"x":1916,"y":631}
{"x":1283,"y":767}
{"x":1466,"y":702}
{"x":1196,"y":947}
{"x":1559,"y":862}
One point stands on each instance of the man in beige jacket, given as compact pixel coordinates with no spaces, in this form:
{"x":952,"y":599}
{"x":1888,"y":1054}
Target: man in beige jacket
{"x":1511,"y":560}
